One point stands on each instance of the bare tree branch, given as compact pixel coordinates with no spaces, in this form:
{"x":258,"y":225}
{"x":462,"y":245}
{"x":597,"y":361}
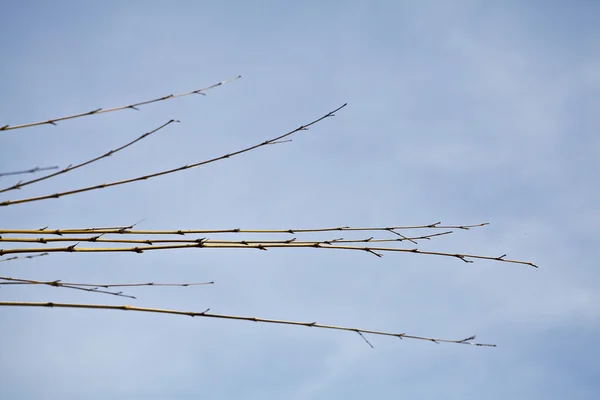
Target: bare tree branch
{"x":19,"y":185}
{"x":96,"y":235}
{"x":203,"y":244}
{"x":126,"y":230}
{"x":28,"y":171}
{"x":133,"y":106}
{"x":206,"y":314}
{"x":20,"y":258}
{"x":100,"y":239}
{"x":87,"y":287}
{"x":18,"y":281}
{"x":140,"y":178}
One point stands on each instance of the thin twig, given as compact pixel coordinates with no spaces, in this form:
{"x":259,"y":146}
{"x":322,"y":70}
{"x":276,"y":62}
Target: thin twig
{"x":99,"y":239}
{"x":28,"y":171}
{"x":145,"y":177}
{"x":19,"y":185}
{"x":133,"y":106}
{"x":88,"y":230}
{"x":87,"y":287}
{"x":18,"y":281}
{"x":260,"y":246}
{"x":23,"y":257}
{"x":120,"y":230}
{"x":206,"y":314}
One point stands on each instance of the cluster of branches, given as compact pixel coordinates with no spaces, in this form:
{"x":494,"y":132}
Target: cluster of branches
{"x":16,"y":244}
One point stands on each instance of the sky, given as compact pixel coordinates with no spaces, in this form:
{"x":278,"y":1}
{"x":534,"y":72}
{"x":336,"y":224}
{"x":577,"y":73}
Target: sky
{"x":461,"y":112}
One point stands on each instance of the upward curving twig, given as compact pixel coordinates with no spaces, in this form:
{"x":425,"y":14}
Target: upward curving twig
{"x":206,"y":314}
{"x":19,"y":185}
{"x":170,"y":171}
{"x":133,"y":106}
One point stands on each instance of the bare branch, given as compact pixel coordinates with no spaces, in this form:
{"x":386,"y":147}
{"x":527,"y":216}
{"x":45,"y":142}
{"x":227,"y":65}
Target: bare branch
{"x":99,"y":239}
{"x":87,"y":287}
{"x":19,"y":185}
{"x":20,"y":258}
{"x":133,"y":106}
{"x":145,"y":177}
{"x":203,"y":244}
{"x":121,"y":230}
{"x":206,"y":314}
{"x":17,"y":281}
{"x":28,"y":171}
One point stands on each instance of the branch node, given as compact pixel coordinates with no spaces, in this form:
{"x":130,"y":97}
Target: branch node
{"x":364,"y":338}
{"x":373,"y":252}
{"x":466,"y":340}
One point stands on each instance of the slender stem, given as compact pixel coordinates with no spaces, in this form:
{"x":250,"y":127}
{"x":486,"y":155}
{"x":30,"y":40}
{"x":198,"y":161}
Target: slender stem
{"x":127,"y":231}
{"x":145,"y":177}
{"x":99,"y":239}
{"x":72,"y":167}
{"x":28,"y":171}
{"x":19,"y":258}
{"x":19,"y":281}
{"x":206,"y":314}
{"x":260,"y":246}
{"x":133,"y":106}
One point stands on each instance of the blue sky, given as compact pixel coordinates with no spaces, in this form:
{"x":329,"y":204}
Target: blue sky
{"x":461,"y":112}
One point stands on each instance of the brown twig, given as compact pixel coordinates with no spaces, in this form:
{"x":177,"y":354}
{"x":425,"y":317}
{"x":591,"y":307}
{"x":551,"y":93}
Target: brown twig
{"x":260,"y":246}
{"x":121,"y":230}
{"x":145,"y":177}
{"x":206,"y":314}
{"x":133,"y":106}
{"x":99,"y":239}
{"x":88,"y":230}
{"x":19,"y":185}
{"x":28,"y":171}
